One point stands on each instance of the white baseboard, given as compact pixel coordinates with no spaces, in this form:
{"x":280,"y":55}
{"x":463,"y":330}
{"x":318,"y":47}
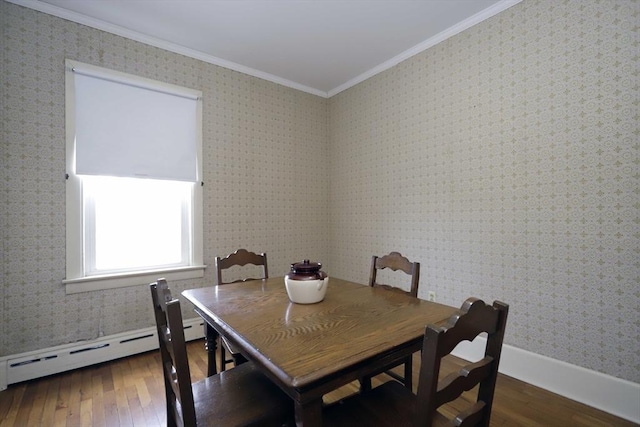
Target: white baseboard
{"x":35,"y":364}
{"x":604,"y":392}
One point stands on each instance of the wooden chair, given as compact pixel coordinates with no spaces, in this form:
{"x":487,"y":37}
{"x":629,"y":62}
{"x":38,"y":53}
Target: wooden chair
{"x":391,"y":404}
{"x":395,"y":261}
{"x":239,"y":258}
{"x":239,"y":397}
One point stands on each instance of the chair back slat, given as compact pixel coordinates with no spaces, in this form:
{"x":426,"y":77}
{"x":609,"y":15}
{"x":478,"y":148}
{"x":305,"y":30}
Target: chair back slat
{"x":453,"y":385}
{"x":240,"y":258}
{"x":472,"y":416}
{"x":475,"y":317}
{"x":396,"y":262}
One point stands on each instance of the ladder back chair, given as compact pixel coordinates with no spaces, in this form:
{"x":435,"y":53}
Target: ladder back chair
{"x":239,"y":397}
{"x":391,"y":404}
{"x":396,"y":262}
{"x":239,"y":258}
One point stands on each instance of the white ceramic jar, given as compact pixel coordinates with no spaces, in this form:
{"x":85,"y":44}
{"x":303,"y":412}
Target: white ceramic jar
{"x":305,"y":283}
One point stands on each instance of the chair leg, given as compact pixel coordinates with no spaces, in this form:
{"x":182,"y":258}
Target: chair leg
{"x":406,"y":380}
{"x":365,"y":384}
{"x":210,"y":345}
{"x":171,"y":422}
{"x":408,"y":374}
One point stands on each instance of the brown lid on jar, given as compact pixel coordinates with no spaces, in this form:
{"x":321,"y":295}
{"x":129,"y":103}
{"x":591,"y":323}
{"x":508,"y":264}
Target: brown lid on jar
{"x":306,"y":270}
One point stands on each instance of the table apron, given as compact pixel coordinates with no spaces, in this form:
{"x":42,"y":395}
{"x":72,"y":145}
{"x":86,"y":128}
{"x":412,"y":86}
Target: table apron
{"x":376,"y":364}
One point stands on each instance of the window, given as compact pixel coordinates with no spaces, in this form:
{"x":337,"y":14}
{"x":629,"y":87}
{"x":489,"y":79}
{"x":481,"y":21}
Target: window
{"x":134,"y":194}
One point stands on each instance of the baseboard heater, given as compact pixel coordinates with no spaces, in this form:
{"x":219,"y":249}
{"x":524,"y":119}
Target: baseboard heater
{"x":39,"y":363}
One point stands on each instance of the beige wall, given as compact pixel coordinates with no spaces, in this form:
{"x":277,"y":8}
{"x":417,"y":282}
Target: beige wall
{"x":264,"y":151}
{"x":506,"y":161}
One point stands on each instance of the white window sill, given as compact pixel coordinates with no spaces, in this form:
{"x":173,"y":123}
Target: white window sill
{"x":112,"y":281}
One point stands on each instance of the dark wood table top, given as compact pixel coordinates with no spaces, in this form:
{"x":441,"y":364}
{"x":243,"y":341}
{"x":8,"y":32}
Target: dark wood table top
{"x":301,"y":345}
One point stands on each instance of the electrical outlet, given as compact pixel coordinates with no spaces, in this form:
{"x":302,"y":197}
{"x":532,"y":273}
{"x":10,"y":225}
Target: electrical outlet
{"x":431,"y":296}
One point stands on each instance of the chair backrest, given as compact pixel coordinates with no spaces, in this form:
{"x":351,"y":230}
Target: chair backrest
{"x":395,"y":261}
{"x":241,"y":257}
{"x":173,"y":350}
{"x":474,"y":318}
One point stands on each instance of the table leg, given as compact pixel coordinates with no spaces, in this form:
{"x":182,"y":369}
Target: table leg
{"x":210,"y":345}
{"x":309,"y":414}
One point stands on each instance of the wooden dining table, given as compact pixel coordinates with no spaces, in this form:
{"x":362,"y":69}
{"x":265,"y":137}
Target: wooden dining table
{"x":310,"y":350}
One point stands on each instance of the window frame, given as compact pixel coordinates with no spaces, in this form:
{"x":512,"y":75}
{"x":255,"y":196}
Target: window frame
{"x":76,"y":280}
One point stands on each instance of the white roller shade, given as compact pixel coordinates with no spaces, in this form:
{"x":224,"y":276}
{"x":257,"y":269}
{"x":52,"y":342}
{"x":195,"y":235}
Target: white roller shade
{"x":132,"y":129}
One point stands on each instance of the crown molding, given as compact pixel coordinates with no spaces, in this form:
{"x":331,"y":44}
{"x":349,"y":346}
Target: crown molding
{"x":159,"y":43}
{"x":421,"y":47}
{"x":192,"y":53}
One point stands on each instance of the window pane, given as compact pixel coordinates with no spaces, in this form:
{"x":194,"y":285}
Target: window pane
{"x":135,"y":223}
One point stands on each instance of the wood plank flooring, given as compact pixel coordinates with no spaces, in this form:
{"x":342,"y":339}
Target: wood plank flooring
{"x":130,"y":392}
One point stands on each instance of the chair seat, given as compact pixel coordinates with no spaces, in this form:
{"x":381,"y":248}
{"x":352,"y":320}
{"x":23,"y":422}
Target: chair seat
{"x":241,"y":397}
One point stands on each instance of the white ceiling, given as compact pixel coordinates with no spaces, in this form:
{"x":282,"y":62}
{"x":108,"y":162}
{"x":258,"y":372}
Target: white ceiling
{"x":318,"y":46}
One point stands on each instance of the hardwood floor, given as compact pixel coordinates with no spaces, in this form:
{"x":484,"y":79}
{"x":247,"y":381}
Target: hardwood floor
{"x":130,"y":392}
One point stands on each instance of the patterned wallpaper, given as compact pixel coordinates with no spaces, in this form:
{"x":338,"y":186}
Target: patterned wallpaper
{"x":265,"y":179}
{"x":506,"y":161}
